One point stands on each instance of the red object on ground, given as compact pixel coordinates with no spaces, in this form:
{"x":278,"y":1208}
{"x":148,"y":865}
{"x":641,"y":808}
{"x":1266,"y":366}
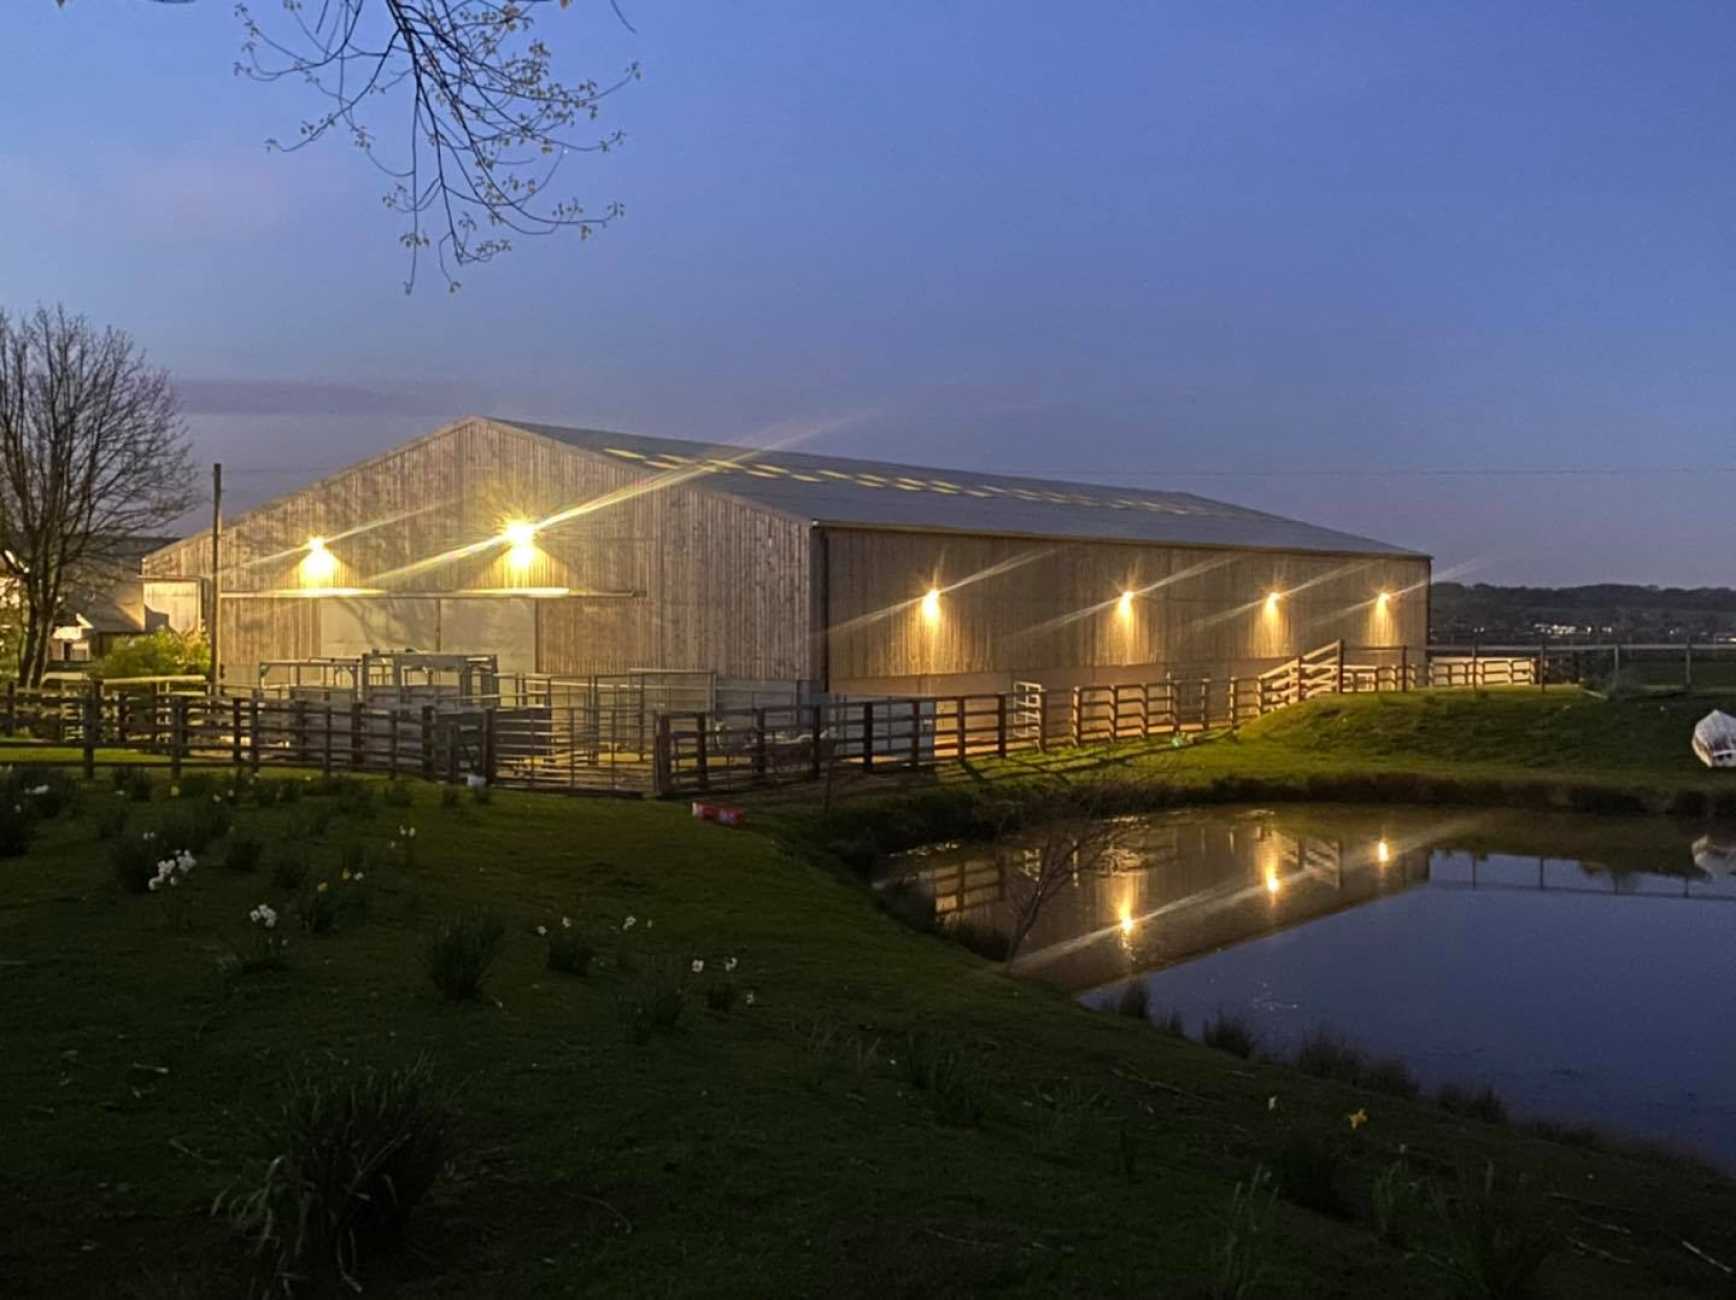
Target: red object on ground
{"x":704,"y":811}
{"x":731,"y":817}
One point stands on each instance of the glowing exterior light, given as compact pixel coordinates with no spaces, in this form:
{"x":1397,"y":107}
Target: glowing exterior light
{"x":1383,"y":853}
{"x":931,"y":606}
{"x":1272,"y":599}
{"x":1271,"y":882}
{"x":1126,"y":919}
{"x":1125,"y":604}
{"x":319,"y":565}
{"x":520,"y":538}
{"x":1383,"y":600}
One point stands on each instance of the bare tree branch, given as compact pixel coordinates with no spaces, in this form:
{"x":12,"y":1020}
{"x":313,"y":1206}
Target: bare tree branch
{"x":91,"y":452}
{"x":490,"y":123}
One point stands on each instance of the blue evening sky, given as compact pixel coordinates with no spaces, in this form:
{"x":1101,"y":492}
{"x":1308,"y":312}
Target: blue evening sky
{"x":1286,"y":254}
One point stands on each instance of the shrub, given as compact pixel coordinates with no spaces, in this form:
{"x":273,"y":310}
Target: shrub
{"x":43,"y":792}
{"x":1228,"y":1033}
{"x":194,"y":828}
{"x":1310,"y":1171}
{"x":1484,"y":1104}
{"x":111,"y":821}
{"x":354,"y":1153}
{"x":134,"y":859}
{"x":199,"y":786}
{"x":1239,"y":1259}
{"x":1135,"y":1001}
{"x":568,"y":952}
{"x":396,"y":794}
{"x":163,"y":653}
{"x":138,"y":785}
{"x":1496,"y":1239}
{"x":243,"y":853}
{"x":462,"y":950}
{"x":288,"y":866}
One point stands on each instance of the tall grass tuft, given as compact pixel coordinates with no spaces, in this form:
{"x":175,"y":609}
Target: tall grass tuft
{"x":1497,"y":1240}
{"x":1397,"y":1204}
{"x":1239,"y":1258}
{"x":134,"y":859}
{"x":1134,"y":1001}
{"x":1484,"y":1103}
{"x":356,"y":1152}
{"x":462,"y":950}
{"x":1310,"y":1169}
{"x":1230,"y":1033}
{"x":951,"y":1077}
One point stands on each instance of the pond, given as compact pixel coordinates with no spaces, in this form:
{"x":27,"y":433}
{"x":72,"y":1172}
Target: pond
{"x":1583,"y":967}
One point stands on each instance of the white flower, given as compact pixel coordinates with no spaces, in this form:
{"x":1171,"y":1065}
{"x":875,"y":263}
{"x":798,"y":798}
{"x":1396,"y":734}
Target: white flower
{"x":566,"y":923}
{"x":360,"y":876}
{"x":698,"y":966}
{"x":254,"y":916}
{"x":629,"y":923}
{"x":749,"y":1001}
{"x":148,"y":835}
{"x":41,"y":789}
{"x":174,"y":792}
{"x":154,"y":882}
{"x":542,"y":930}
{"x":728,"y":964}
{"x":216,"y":798}
{"x":412,"y":834}
{"x":649,"y":924}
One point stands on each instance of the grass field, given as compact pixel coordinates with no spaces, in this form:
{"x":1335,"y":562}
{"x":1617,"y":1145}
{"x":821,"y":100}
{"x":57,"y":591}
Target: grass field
{"x":795,"y":1145}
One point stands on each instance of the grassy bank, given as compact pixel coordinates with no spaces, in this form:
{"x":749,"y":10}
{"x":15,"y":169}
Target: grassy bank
{"x":1563,"y":749}
{"x":887,"y":1115}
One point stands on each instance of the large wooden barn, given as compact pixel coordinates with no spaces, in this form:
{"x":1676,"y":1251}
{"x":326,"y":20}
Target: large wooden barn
{"x":575,"y":552}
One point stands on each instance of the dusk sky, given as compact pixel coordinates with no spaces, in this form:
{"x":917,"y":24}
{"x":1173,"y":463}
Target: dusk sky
{"x":1389,"y":268}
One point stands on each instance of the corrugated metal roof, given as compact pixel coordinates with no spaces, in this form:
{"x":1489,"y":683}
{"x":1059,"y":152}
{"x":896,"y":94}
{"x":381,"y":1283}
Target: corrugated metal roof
{"x":862,"y":493}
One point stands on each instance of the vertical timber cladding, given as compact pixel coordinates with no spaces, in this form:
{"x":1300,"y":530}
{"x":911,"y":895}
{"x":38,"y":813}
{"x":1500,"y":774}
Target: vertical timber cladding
{"x":1051,"y":609}
{"x":634,"y":570}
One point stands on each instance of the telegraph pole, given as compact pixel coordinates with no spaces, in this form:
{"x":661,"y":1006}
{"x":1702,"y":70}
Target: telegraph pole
{"x":216,"y":576}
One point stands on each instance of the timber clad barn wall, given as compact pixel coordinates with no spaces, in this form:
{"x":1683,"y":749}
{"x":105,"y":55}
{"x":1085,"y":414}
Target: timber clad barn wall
{"x":658,"y":554}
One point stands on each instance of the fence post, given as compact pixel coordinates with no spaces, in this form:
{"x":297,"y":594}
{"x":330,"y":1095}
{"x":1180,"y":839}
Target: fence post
{"x":1340,"y":657}
{"x":1235,"y":712}
{"x":759,"y":743}
{"x":92,"y":720}
{"x":428,"y":741}
{"x":392,"y":743}
{"x":235,"y":731}
{"x":326,"y":755}
{"x":177,"y":733}
{"x":1542,"y":680}
{"x":1688,"y":665}
{"x":1001,"y":725}
{"x":11,"y":708}
{"x":661,"y":762}
{"x":819,"y":723}
{"x":490,"y":744}
{"x":1476,"y":667}
{"x":1404,"y":667}
{"x":915,"y":734}
{"x":358,"y":744}
{"x":453,"y":735}
{"x":253,"y":732}
{"x":868,"y":736}
{"x":700,"y":753}
{"x":1078,"y":718}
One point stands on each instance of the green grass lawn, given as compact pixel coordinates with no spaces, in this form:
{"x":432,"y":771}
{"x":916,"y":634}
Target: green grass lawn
{"x":778,"y":1148}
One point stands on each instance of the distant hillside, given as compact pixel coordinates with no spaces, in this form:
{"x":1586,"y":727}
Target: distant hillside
{"x":1606,"y":611}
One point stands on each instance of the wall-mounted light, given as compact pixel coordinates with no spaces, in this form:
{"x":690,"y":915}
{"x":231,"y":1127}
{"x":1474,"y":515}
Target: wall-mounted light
{"x":1383,"y":600}
{"x":1272,"y":599}
{"x":1126,"y":919}
{"x":1383,"y":852}
{"x":520,"y":538}
{"x":931,"y":606}
{"x":1124,"y":606}
{"x":1271,"y":881}
{"x":319,"y":565}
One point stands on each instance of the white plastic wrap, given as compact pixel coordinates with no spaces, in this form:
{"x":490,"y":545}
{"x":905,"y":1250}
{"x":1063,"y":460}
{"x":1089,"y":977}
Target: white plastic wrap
{"x":1715,"y":739}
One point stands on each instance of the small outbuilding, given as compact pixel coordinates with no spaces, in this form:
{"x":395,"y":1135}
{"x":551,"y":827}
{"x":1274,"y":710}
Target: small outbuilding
{"x":577,"y":552}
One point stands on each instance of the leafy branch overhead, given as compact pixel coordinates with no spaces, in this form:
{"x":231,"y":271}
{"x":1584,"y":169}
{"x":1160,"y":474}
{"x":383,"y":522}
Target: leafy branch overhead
{"x":491,"y":123}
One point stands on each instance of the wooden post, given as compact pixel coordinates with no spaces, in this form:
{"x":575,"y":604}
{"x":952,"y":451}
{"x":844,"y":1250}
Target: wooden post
{"x":868,"y":736}
{"x":1339,"y":653}
{"x":819,"y":726}
{"x":1078,"y":717}
{"x":11,"y":708}
{"x":326,"y":755}
{"x":1235,"y":711}
{"x":700,"y":755}
{"x":1206,"y":703}
{"x":177,"y":734}
{"x":392,"y":743}
{"x":235,"y":731}
{"x":915,"y":734}
{"x":216,"y":579}
{"x":92,"y":721}
{"x":1542,"y":681}
{"x":759,"y":743}
{"x":253,"y":733}
{"x":1688,"y":665}
{"x":662,"y":764}
{"x":1404,"y":667}
{"x":490,"y":744}
{"x":358,"y":741}
{"x":452,"y":733}
{"x":1001,"y":725}
{"x":1476,"y":667}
